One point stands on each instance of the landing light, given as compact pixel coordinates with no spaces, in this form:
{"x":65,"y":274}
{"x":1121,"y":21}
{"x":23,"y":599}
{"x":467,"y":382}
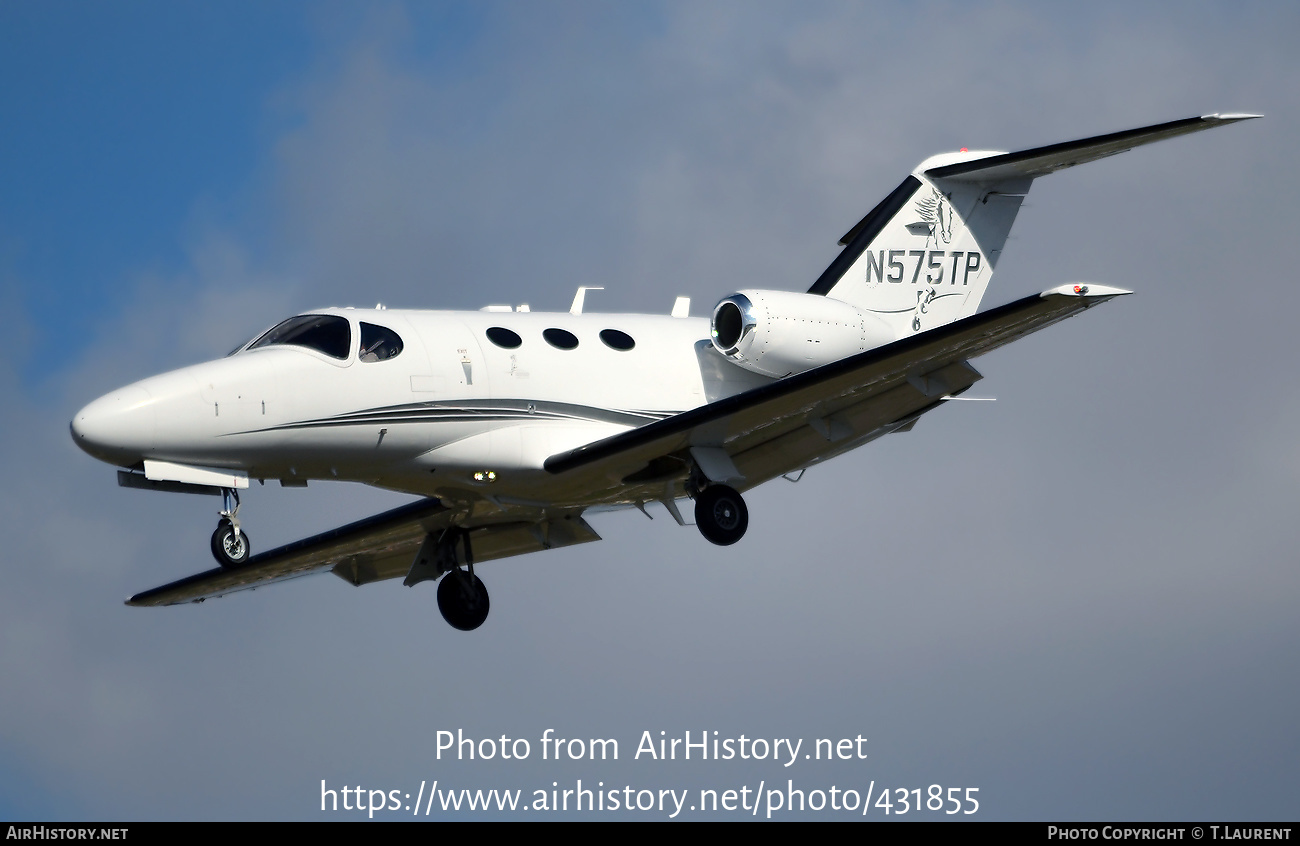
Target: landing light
{"x":485,"y":476}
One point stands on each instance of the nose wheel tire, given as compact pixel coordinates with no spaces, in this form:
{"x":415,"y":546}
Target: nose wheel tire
{"x":721,"y":515}
{"x":463,"y":600}
{"x":231,"y":550}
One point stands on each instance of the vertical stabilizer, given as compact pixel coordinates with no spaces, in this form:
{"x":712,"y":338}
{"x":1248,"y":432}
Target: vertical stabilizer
{"x":924,"y":256}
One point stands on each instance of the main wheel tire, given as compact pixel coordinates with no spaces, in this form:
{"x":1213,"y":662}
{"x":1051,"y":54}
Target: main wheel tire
{"x":463,"y":600}
{"x":721,"y":515}
{"x":231,"y":551}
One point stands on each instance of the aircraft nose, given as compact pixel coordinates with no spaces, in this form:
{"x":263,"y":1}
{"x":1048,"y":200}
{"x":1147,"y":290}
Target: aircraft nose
{"x":118,"y":427}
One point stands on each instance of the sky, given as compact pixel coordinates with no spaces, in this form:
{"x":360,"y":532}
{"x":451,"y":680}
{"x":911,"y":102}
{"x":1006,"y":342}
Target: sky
{"x":1078,"y":600}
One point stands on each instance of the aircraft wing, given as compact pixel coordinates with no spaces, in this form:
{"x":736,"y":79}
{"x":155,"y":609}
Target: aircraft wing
{"x":806,"y":418}
{"x":380,"y":547}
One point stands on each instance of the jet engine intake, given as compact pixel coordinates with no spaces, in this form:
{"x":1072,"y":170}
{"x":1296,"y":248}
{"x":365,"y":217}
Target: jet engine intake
{"x":779,"y":333}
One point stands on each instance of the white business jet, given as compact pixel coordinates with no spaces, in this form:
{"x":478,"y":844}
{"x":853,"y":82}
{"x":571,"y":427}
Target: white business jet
{"x":512,"y":424}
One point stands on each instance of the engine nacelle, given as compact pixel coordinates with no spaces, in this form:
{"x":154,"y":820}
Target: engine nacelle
{"x":778,"y":333}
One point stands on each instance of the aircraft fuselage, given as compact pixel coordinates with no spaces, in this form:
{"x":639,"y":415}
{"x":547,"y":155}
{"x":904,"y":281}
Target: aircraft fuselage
{"x":453,"y":410}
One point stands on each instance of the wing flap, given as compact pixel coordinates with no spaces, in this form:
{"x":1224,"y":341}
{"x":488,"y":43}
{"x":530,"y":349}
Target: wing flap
{"x":795,"y":421}
{"x":498,"y":540}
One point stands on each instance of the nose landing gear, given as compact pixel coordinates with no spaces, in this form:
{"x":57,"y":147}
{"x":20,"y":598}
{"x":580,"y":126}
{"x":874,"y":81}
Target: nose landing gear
{"x":230,"y":544}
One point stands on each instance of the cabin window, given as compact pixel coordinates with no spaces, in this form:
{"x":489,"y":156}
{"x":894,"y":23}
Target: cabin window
{"x":503,"y":337}
{"x":378,"y":343}
{"x":325,"y":333}
{"x":616,"y":339}
{"x":560,"y":339}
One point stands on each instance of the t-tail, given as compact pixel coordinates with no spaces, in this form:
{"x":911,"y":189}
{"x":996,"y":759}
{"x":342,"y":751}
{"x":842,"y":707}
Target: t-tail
{"x":924,"y":256}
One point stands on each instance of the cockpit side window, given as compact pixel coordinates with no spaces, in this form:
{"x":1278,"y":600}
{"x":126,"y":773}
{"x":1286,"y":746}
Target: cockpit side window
{"x":378,"y":343}
{"x":325,"y":333}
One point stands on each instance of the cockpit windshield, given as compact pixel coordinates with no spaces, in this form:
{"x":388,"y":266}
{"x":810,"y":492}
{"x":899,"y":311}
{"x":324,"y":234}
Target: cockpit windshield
{"x":325,"y":333}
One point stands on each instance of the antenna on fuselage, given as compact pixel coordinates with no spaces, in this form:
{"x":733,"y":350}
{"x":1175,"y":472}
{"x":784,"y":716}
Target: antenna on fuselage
{"x":579,"y":297}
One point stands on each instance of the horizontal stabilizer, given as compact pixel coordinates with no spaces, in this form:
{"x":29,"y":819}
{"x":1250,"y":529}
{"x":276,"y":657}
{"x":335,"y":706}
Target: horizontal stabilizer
{"x":1041,"y":161}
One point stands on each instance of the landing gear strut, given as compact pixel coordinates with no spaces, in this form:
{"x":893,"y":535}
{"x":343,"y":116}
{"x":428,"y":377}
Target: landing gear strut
{"x":230,"y":543}
{"x":462,"y":597}
{"x":721,"y":515}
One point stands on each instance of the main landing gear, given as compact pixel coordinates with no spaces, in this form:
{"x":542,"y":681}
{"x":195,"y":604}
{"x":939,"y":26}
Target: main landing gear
{"x":721,"y":515}
{"x":462,"y":597}
{"x":230,"y":544}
